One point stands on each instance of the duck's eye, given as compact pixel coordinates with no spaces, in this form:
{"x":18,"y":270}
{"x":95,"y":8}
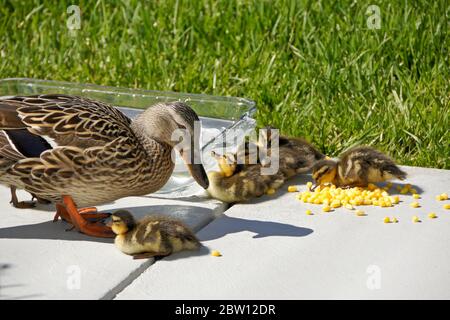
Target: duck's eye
{"x":116,"y":221}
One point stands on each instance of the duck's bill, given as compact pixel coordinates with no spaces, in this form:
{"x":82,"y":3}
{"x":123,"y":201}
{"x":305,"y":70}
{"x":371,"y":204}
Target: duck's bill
{"x":198,"y":172}
{"x":193,"y":162}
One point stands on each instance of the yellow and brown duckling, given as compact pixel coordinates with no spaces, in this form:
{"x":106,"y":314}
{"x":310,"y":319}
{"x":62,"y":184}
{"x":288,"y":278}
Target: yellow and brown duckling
{"x":357,"y":167}
{"x":240,"y":177}
{"x":297,"y":156}
{"x":151,"y":236}
{"x":239,"y":182}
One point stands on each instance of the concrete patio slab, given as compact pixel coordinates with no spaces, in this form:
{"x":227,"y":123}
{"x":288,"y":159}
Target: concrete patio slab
{"x":40,"y":260}
{"x":272,"y":250}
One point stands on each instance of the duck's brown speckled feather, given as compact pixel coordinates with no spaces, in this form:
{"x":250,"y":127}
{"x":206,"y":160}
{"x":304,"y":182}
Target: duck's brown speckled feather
{"x":98,"y":157}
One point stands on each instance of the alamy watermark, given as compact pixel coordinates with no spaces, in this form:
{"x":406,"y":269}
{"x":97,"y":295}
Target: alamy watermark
{"x":74,"y":19}
{"x":374,"y":279}
{"x":73,"y":281}
{"x":374,"y":19}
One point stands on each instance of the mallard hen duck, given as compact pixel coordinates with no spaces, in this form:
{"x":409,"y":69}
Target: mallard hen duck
{"x":78,"y":152}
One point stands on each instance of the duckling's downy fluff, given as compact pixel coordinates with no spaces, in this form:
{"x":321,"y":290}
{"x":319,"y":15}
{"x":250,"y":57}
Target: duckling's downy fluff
{"x":151,"y":236}
{"x":358,"y":166}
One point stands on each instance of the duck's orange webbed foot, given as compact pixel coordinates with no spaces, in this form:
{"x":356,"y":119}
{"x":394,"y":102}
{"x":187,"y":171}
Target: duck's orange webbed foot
{"x":69,"y":212}
{"x":87,"y":213}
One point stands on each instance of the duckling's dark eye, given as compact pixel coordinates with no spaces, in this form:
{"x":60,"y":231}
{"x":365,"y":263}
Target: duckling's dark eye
{"x":116,"y":221}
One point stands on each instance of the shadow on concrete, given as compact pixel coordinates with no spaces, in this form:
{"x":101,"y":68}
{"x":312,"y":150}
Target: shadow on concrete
{"x":195,"y":217}
{"x":261,"y":228}
{"x":4,"y":288}
{"x":395,"y":191}
{"x":202,"y":251}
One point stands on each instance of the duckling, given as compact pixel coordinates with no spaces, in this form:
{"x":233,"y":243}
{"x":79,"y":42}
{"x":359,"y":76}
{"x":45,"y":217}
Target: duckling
{"x":240,"y":177}
{"x":151,"y":236}
{"x":357,"y":167}
{"x":239,"y":182}
{"x":295,"y":155}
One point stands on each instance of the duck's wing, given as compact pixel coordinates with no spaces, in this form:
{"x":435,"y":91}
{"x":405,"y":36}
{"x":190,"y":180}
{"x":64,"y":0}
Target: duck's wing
{"x":67,"y":120}
{"x":70,"y":170}
{"x":95,"y":145}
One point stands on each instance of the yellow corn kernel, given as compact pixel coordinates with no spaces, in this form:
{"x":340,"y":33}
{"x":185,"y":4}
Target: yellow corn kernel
{"x":415,"y":219}
{"x":336,"y":203}
{"x":387,"y":220}
{"x":446,"y":206}
{"x":348,"y":206}
{"x":360,"y":213}
{"x":395,"y":199}
{"x":270,"y":191}
{"x":375,"y":202}
{"x":438,"y":198}
{"x":309,"y":185}
{"x":326,"y":208}
{"x":408,"y":186}
{"x":292,"y":189}
{"x":444,"y":196}
{"x":415,"y":204}
{"x":432,"y":215}
{"x":216,"y":253}
{"x":367,"y":202}
{"x":394,"y":220}
{"x":404,"y":191}
{"x":413,"y":191}
{"x":309,"y":212}
{"x":416,"y":196}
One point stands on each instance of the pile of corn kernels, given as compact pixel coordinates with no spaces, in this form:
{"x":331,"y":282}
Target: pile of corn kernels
{"x":334,"y":197}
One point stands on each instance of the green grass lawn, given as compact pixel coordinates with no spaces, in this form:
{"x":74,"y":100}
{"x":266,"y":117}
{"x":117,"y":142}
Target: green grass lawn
{"x":314,"y":67}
